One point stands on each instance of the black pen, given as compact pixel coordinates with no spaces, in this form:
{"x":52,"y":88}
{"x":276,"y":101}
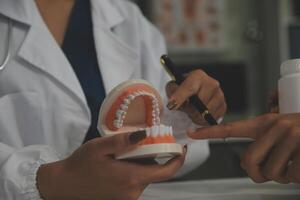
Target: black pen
{"x":194,"y":100}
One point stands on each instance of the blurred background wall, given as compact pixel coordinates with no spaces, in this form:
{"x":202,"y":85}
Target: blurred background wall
{"x":239,"y":42}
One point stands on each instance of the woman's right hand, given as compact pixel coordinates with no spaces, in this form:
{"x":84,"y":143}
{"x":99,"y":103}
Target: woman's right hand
{"x":92,"y":173}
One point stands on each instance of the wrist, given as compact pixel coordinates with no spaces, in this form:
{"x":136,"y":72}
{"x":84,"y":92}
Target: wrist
{"x":49,"y":180}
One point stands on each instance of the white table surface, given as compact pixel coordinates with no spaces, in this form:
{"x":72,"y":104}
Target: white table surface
{"x":223,"y":189}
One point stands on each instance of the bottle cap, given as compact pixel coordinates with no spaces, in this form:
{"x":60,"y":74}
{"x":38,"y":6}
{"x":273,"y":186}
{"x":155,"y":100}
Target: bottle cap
{"x":290,"y":67}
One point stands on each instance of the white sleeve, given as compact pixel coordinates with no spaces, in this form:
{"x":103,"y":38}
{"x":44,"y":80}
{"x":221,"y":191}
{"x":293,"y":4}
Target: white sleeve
{"x":18,"y":169}
{"x":153,"y":46}
{"x":197,"y":150}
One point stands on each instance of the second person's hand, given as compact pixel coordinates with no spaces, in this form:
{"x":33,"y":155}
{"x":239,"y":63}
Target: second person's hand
{"x":275,"y":152}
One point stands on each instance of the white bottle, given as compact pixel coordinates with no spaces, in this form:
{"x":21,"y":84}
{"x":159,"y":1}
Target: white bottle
{"x":289,"y":87}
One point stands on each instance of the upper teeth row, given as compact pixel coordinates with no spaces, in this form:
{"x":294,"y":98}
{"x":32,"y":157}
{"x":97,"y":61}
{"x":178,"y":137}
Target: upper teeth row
{"x":121,"y":112}
{"x":159,"y":130}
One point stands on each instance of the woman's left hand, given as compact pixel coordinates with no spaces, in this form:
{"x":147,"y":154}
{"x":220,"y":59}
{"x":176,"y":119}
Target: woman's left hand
{"x":206,"y":88}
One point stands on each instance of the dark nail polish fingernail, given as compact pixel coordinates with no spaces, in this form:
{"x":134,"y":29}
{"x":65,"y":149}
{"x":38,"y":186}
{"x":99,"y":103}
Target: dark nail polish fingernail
{"x":137,"y":136}
{"x":172,"y":104}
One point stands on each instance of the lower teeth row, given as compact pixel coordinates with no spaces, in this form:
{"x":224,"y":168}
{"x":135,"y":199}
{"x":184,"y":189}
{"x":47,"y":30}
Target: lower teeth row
{"x":159,"y":130}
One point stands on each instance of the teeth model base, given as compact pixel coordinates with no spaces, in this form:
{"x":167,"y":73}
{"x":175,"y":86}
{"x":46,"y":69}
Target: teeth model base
{"x":167,"y":150}
{"x":135,"y":105}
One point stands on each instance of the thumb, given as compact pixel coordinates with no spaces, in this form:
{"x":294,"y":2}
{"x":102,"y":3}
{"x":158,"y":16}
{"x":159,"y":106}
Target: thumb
{"x":120,"y":143}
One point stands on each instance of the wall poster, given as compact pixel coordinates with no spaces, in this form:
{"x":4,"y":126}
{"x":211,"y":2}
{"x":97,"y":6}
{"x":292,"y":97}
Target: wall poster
{"x":191,"y":24}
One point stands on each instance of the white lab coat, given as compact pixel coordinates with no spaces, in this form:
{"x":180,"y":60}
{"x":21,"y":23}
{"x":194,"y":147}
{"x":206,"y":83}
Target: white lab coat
{"x":44,"y":115}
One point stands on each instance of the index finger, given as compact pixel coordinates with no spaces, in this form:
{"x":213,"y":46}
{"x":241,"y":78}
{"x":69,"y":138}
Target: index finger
{"x":250,"y":128}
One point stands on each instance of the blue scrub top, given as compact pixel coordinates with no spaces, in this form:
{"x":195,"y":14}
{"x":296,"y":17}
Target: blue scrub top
{"x":79,"y":48}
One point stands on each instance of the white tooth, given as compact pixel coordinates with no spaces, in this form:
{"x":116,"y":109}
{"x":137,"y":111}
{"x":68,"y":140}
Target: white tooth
{"x":143,"y":93}
{"x":131,"y":97}
{"x":165,"y":130}
{"x":117,"y":124}
{"x":158,"y":130}
{"x":168,"y":130}
{"x":126,"y":101}
{"x":171,"y":130}
{"x":154,"y":123}
{"x":120,"y":113}
{"x":124,"y":107}
{"x":154,"y":131}
{"x":152,"y":96}
{"x":157,"y":111}
{"x":162,"y":130}
{"x":120,"y":124}
{"x":148,"y":132}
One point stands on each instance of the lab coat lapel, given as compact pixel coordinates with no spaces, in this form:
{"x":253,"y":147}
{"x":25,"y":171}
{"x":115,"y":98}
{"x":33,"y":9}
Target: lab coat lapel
{"x":43,"y":53}
{"x":117,"y":61}
{"x":18,"y":10}
{"x":40,"y":49}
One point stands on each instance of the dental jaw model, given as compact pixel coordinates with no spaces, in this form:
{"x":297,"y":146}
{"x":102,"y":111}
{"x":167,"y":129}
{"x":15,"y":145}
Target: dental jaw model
{"x":132,"y":106}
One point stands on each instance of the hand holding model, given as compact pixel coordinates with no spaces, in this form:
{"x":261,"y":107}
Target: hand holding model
{"x":275,"y":153}
{"x":92,"y":173}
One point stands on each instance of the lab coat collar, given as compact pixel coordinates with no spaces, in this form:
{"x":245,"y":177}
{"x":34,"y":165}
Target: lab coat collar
{"x":44,"y":54}
{"x":117,"y":60}
{"x":108,"y":11}
{"x":18,"y":10}
{"x":41,"y":50}
{"x":21,"y":10}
